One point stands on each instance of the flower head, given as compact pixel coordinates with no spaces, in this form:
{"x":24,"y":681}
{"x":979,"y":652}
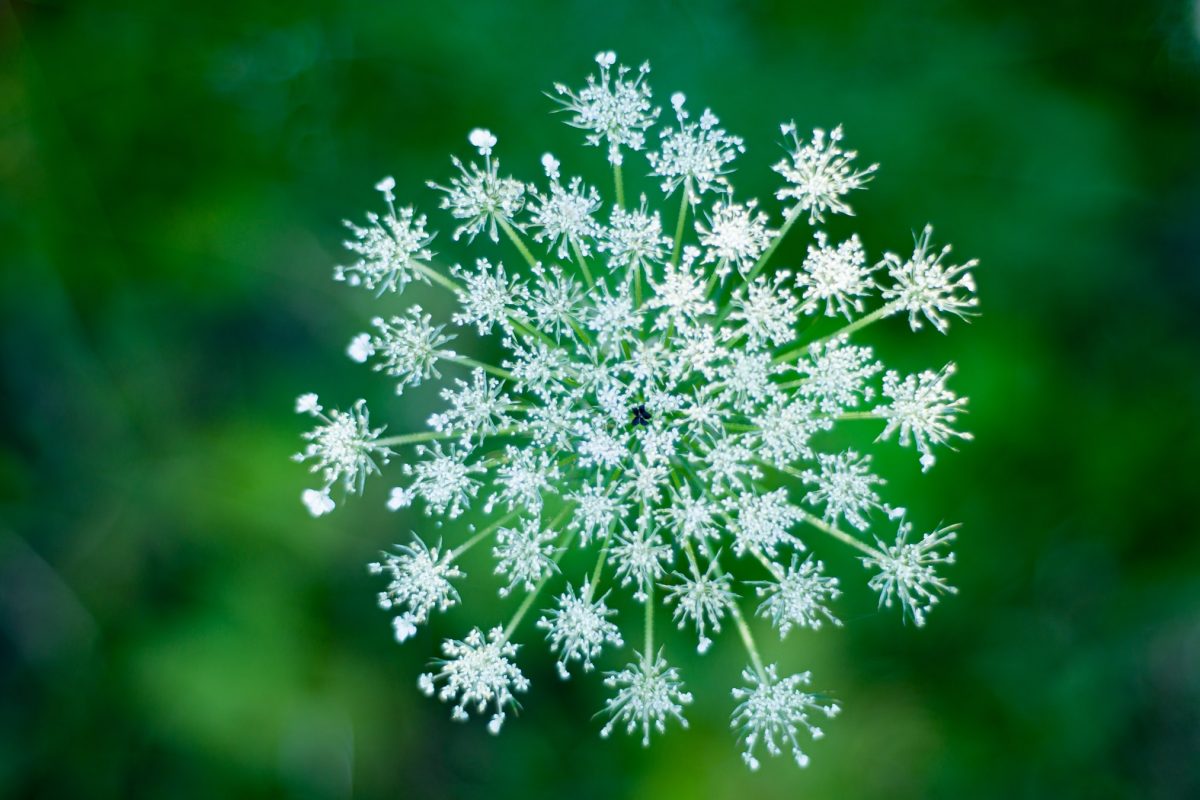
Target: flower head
{"x":443,"y":480}
{"x":477,"y":672}
{"x":735,"y":235}
{"x":564,"y":217}
{"x":479,"y":197}
{"x":390,"y":249}
{"x":634,"y":237}
{"x":702,"y":599}
{"x":820,"y":173}
{"x":342,"y":448}
{"x":773,"y":710}
{"x":922,"y":410}
{"x":524,"y":555}
{"x":694,"y":154}
{"x":579,"y":628}
{"x":908,"y":570}
{"x":924,"y":286}
{"x":613,"y":109}
{"x":635,"y":417}
{"x":844,"y":485}
{"x":835,"y":279}
{"x":408,"y":347}
{"x":838,"y":374}
{"x":418,"y":582}
{"x":649,"y":692}
{"x":798,"y":597}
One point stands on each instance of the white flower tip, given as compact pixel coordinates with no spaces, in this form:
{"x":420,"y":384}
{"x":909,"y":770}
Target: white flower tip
{"x":403,"y":628}
{"x":386,"y":185}
{"x":495,"y":723}
{"x":927,"y":461}
{"x":483,"y":139}
{"x":606,"y":58}
{"x":550,"y":164}
{"x":678,"y":99}
{"x":307,"y":404}
{"x":318,"y":503}
{"x":399,"y":498}
{"x":360,"y":348}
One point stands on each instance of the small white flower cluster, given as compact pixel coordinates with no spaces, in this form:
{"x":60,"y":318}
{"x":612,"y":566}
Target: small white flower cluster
{"x":343,"y":448}
{"x":666,"y":403}
{"x":773,"y":710}
{"x":908,"y":570}
{"x":419,"y":583}
{"x":477,"y":671}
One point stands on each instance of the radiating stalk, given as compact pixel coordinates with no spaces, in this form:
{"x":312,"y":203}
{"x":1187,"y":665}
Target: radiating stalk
{"x":683,"y":211}
{"x":432,"y":436}
{"x":467,"y":361}
{"x":481,"y":535}
{"x":511,"y":233}
{"x":583,"y":265}
{"x":437,"y":277}
{"x":846,"y":330}
{"x":748,"y":641}
{"x":649,"y":642}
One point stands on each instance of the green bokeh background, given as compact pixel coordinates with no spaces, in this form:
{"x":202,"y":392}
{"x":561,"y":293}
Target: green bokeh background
{"x":172,"y":624}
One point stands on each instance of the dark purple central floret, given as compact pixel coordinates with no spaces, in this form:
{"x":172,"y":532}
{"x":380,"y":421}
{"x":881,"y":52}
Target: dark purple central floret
{"x":640,"y":415}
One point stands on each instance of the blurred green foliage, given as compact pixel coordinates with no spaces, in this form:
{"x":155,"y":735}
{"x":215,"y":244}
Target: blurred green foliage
{"x":171,"y":179}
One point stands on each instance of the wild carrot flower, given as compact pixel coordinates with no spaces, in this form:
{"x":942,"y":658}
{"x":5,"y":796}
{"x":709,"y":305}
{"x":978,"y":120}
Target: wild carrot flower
{"x":669,"y":402}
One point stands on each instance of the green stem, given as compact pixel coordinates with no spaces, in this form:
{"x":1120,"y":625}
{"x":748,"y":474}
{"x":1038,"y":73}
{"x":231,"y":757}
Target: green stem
{"x":620,"y":186}
{"x":581,"y":333}
{"x":683,"y":210}
{"x":837,"y":533}
{"x":480,"y":536}
{"x":821,"y":524}
{"x":691,"y":555}
{"x":849,"y":415}
{"x":470,"y":362}
{"x":583,"y":265}
{"x":531,"y":332}
{"x":788,"y":222}
{"x":649,"y":648}
{"x":773,"y":568}
{"x":599,"y":568}
{"x":748,"y":640}
{"x":845,"y":330}
{"x":516,"y":240}
{"x":431,"y":436}
{"x":712,"y":280}
{"x":437,"y":277}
